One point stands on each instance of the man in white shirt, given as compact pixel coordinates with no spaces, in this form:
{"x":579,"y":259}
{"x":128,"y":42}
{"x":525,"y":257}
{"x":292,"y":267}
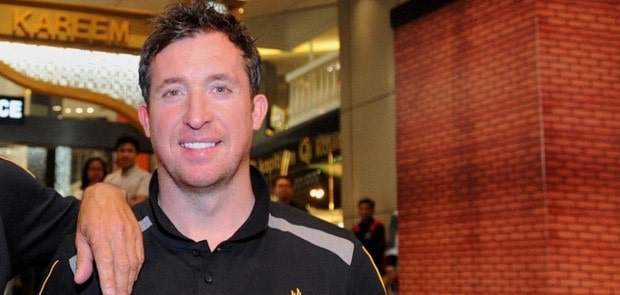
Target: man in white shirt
{"x":130,"y":176}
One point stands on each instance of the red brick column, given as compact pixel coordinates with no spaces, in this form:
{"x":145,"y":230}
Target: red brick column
{"x":508,"y":147}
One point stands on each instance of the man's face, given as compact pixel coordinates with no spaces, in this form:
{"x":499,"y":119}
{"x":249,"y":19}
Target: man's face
{"x":283,"y":189}
{"x":201,"y":114}
{"x":365,"y":211}
{"x":126,"y":156}
{"x":95,"y":172}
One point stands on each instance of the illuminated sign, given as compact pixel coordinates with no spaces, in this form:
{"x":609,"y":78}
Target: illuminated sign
{"x":308,"y":150}
{"x":75,"y":26}
{"x":11,"y":109}
{"x":66,"y":26}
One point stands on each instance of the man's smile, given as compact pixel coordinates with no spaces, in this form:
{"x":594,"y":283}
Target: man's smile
{"x":198,"y":145}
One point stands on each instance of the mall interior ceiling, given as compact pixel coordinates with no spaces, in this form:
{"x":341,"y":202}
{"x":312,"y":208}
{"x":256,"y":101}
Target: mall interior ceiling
{"x":277,"y":24}
{"x":298,"y":30}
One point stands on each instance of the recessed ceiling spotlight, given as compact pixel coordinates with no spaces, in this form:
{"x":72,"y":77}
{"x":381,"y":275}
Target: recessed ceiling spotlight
{"x":90,"y":110}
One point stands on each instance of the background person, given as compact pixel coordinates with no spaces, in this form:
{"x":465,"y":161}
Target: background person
{"x":209,"y":224}
{"x":371,"y":232}
{"x":284,"y":191}
{"x":390,"y":278}
{"x":94,"y":171}
{"x":130,"y":176}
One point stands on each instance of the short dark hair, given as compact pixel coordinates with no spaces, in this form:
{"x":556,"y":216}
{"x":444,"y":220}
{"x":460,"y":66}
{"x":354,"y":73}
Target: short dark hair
{"x":275,"y":180}
{"x":127,"y":139}
{"x":185,"y":20}
{"x":368,"y":201}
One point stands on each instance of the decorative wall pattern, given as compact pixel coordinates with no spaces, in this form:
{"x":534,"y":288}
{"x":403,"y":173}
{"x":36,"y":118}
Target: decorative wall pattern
{"x":112,"y":74}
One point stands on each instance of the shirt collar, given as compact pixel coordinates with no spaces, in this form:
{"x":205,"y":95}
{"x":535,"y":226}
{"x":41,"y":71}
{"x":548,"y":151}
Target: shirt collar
{"x":254,"y":226}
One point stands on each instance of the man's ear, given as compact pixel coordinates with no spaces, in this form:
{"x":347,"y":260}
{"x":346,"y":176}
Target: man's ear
{"x":143,"y":115}
{"x":259,"y":110}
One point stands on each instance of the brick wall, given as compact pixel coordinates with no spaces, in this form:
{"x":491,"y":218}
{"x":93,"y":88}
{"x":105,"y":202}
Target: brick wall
{"x":580,"y":83}
{"x":508,"y":148}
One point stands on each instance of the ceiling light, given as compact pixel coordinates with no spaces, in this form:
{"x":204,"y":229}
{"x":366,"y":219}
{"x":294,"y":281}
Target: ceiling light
{"x":317,"y":193}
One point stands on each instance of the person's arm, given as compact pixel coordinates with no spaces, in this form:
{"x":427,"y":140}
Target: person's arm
{"x":34,"y":219}
{"x":366,"y":277}
{"x":108,"y":232}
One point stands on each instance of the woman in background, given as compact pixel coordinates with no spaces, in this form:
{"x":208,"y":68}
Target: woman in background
{"x":94,"y":171}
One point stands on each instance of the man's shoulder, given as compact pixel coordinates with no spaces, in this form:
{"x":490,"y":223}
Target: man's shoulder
{"x":298,"y":205}
{"x":112,"y":176}
{"x":143,"y":171}
{"x":303,"y":228}
{"x":143,"y":214}
{"x":9,"y":167}
{"x":285,"y":216}
{"x":293,"y":214}
{"x":138,"y":174}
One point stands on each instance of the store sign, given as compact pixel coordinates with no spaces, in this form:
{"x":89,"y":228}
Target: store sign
{"x":66,"y":26}
{"x":308,"y":150}
{"x":11,"y":109}
{"x":74,"y":26}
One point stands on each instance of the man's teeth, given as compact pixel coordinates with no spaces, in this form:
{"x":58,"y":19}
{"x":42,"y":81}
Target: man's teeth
{"x":197,"y":145}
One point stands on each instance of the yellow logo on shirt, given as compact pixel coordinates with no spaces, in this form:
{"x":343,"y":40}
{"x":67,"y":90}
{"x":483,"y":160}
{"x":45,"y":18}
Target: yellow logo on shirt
{"x":296,"y":292}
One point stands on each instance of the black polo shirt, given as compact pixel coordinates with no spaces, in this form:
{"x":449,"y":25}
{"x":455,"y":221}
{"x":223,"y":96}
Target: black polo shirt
{"x":278,"y":250}
{"x":33,"y":221}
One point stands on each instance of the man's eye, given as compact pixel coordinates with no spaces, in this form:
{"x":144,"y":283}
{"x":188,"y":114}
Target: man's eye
{"x":220,"y":89}
{"x":172,"y":93}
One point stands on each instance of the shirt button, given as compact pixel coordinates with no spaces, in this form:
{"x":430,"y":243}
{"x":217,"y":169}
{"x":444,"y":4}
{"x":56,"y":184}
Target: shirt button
{"x":195,"y":252}
{"x":208,"y":278}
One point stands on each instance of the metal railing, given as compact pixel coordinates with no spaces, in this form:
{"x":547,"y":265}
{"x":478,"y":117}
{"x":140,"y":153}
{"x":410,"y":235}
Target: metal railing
{"x":314,"y":88}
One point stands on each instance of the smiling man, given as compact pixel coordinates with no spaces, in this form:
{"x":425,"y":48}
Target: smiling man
{"x":209,"y":225}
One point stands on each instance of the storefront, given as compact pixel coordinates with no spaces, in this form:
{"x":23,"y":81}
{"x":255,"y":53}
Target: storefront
{"x":68,"y":86}
{"x":310,"y":154}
